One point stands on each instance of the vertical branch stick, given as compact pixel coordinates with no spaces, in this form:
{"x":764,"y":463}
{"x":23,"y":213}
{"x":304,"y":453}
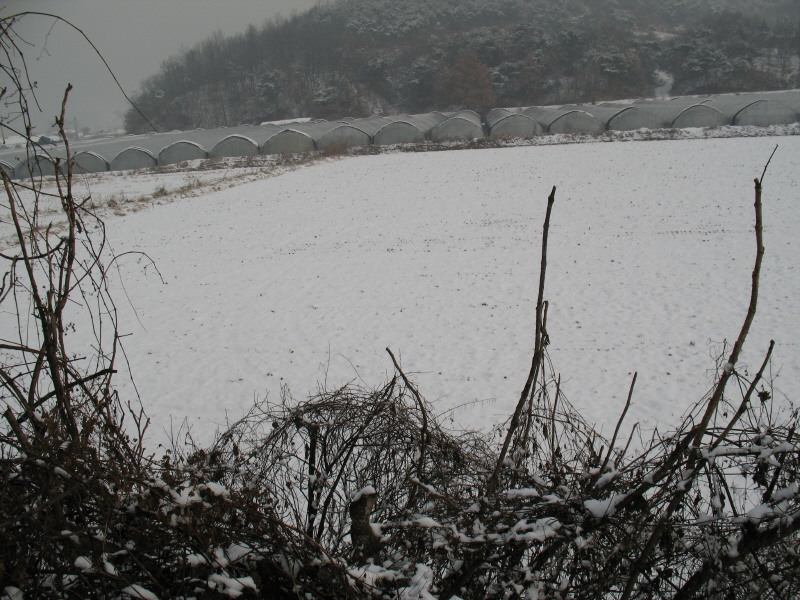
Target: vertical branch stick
{"x":537,"y":352}
{"x":695,"y":436}
{"x":423,"y":414}
{"x":619,"y":424}
{"x":751,"y":313}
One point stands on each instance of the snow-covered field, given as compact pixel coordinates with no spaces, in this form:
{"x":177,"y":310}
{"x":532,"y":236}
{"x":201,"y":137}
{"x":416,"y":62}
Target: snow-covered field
{"x":305,"y":278}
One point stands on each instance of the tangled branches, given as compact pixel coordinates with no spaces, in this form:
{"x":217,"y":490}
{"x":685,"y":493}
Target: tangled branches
{"x":552,"y":511}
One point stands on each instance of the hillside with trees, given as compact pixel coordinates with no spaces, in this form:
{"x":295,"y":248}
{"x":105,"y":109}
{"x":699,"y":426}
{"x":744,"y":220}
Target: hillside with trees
{"x":361,"y":57}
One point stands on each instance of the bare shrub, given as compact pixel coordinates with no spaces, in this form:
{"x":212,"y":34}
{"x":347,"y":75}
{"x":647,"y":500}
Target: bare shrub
{"x":552,"y":509}
{"x":334,"y":149}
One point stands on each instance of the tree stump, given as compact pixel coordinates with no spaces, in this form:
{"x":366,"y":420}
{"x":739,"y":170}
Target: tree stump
{"x":366,"y":545}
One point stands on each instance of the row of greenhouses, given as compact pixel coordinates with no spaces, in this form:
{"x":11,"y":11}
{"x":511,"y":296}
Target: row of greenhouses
{"x":306,"y":135}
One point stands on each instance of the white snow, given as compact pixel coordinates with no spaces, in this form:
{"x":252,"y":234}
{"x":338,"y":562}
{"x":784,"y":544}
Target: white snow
{"x":84,"y":564}
{"x":420,"y":583}
{"x":603,"y":508}
{"x":703,"y":518}
{"x":217,"y":489}
{"x":308,"y":276}
{"x":539,"y":530}
{"x":287,"y":121}
{"x":230,"y":586}
{"x":762,"y":511}
{"x":137,"y":591}
{"x":61,"y":472}
{"x":12,"y":593}
{"x":423,"y":521}
{"x":606,"y":479}
{"x":368,"y":490}
{"x":522,"y":493}
{"x":785,"y":493}
{"x":237,"y":552}
{"x":195,"y":560}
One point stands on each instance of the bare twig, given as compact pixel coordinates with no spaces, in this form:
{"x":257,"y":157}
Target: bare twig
{"x":537,"y":353}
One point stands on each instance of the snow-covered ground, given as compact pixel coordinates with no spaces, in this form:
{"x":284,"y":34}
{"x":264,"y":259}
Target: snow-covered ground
{"x":305,"y":278}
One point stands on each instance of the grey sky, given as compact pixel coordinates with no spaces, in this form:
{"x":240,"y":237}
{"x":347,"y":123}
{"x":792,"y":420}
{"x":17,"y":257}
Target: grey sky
{"x":134,"y":36}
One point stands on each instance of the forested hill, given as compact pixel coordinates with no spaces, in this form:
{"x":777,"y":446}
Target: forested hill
{"x":361,"y":57}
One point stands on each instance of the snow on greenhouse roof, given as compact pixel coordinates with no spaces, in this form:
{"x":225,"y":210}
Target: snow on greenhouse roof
{"x":180,"y":151}
{"x":346,"y":136}
{"x":685,"y":112}
{"x":305,"y":134}
{"x":315,"y":129}
{"x":285,"y":122}
{"x":516,"y":125}
{"x":370,"y":125}
{"x":288,"y":141}
{"x":465,"y":125}
{"x":747,"y":110}
{"x":790,"y":98}
{"x":7,"y":168}
{"x":623,"y":117}
{"x":564,"y":120}
{"x":426,"y":122}
{"x":398,"y":132}
{"x":133,"y":158}
{"x":37,"y":166}
{"x":234,"y":145}
{"x":88,"y":162}
{"x":494,"y":115}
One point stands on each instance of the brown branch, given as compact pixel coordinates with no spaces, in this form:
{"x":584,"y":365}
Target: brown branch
{"x":76,"y":383}
{"x":423,"y":412}
{"x":694,"y":438}
{"x":616,"y":429}
{"x":537,"y":353}
{"x":751,"y":313}
{"x":23,"y":439}
{"x":746,"y":400}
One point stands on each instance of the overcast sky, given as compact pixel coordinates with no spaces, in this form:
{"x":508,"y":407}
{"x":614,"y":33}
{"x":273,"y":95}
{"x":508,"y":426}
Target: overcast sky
{"x":134,"y":36}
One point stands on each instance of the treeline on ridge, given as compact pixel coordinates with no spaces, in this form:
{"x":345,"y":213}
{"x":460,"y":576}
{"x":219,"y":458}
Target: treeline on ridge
{"x":361,"y":57}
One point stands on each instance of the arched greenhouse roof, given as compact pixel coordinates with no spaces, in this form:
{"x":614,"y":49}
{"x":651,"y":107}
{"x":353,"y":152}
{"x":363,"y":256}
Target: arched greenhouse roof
{"x":234,"y":145}
{"x":288,"y":141}
{"x":87,"y":162}
{"x":790,"y":98}
{"x":7,"y":169}
{"x":746,"y":110}
{"x":623,"y":117}
{"x":39,"y":165}
{"x":516,"y":125}
{"x":180,"y":151}
{"x":133,"y":158}
{"x":426,"y":122}
{"x":443,"y":116}
{"x":465,"y":125}
{"x":558,"y":120}
{"x":494,"y":115}
{"x":687,"y":112}
{"x":346,"y":136}
{"x":315,"y":129}
{"x":470,"y":115}
{"x":398,"y":132}
{"x":370,"y":125}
